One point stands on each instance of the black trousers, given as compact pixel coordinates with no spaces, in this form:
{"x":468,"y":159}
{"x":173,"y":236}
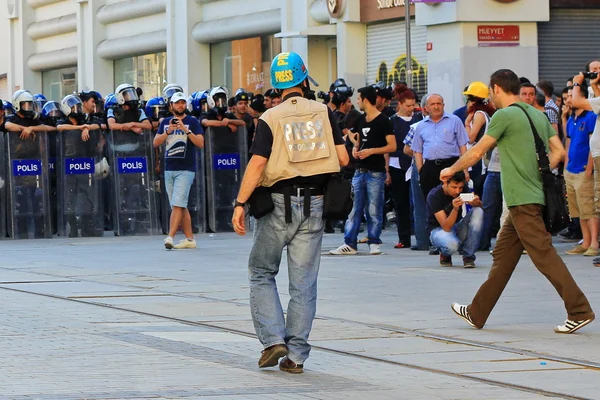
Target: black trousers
{"x":429,"y":176}
{"x":401,"y":194}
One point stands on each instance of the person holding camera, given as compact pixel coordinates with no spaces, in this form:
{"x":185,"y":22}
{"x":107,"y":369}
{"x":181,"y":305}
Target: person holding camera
{"x":182,"y":134}
{"x":580,"y":101}
{"x":450,"y":230}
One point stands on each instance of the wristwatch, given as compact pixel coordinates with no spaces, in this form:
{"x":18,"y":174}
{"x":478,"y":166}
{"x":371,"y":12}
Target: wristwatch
{"x":576,"y":84}
{"x":238,"y":204}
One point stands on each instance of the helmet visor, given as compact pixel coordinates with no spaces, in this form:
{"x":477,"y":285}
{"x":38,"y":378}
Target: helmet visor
{"x":26,"y":106}
{"x":220,"y":101}
{"x":130,"y":94}
{"x":171,"y":91}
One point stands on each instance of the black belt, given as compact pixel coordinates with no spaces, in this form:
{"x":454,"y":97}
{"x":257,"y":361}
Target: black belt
{"x":443,"y":161}
{"x":298,"y":191}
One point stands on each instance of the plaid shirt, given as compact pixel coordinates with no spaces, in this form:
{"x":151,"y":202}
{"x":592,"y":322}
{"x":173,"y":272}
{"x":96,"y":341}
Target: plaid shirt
{"x":411,"y":134}
{"x":552,"y":111}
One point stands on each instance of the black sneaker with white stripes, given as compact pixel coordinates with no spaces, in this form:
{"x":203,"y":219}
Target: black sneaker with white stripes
{"x":572,"y":326}
{"x":462,"y":312}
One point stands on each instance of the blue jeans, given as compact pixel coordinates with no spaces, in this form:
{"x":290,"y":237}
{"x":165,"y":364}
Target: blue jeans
{"x":368,"y":191}
{"x":419,"y":213}
{"x":303,"y":238}
{"x":465,"y":234}
{"x":492,"y":207}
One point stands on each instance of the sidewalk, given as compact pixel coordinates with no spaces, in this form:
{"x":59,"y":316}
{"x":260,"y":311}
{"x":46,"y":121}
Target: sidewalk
{"x":121,"y":318}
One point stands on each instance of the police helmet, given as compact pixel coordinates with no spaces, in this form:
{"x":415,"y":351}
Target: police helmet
{"x":8,"y":108}
{"x":169,"y":90}
{"x":199,"y":102}
{"x":52,"y":109}
{"x":339,"y":82}
{"x":218,"y":98}
{"x":38,"y":102}
{"x":288,"y":70}
{"x":51,"y":112}
{"x":127,"y":94}
{"x":155,"y":107}
{"x":72,"y":106}
{"x":110,"y":102}
{"x":23,"y":103}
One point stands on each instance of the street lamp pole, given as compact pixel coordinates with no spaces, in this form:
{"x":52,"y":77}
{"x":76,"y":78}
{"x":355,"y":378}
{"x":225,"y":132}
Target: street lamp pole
{"x":409,"y":72}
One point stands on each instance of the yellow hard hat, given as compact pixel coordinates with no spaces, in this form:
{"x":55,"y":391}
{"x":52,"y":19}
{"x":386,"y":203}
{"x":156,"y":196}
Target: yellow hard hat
{"x":478,"y":89}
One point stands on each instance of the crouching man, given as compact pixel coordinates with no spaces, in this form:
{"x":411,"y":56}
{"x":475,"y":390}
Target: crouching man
{"x":448,"y":229}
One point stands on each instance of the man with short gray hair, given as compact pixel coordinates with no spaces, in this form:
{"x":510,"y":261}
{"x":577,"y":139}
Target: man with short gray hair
{"x":439,"y":140}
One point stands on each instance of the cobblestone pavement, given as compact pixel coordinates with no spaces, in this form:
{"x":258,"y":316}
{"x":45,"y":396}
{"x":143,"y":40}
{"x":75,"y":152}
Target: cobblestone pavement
{"x":121,"y":318}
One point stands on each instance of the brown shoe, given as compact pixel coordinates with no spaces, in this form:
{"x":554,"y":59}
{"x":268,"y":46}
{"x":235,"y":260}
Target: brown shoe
{"x":287,"y":365}
{"x":271,"y":355}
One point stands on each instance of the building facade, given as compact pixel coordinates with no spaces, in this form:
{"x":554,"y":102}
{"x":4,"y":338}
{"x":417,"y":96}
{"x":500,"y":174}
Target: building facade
{"x":60,"y":46}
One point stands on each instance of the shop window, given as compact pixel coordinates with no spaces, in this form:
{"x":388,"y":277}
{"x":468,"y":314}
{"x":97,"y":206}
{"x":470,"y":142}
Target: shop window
{"x":148,"y":72}
{"x":57,"y":83}
{"x":243,"y":63}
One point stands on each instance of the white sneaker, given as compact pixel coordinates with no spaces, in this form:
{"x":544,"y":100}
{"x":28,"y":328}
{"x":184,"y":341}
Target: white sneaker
{"x":186,"y":244}
{"x":168,"y":243}
{"x":374,"y":249}
{"x":343,"y":250}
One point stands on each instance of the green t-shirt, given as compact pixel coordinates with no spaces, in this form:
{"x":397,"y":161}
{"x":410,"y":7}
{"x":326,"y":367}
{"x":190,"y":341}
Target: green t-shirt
{"x":520,"y":174}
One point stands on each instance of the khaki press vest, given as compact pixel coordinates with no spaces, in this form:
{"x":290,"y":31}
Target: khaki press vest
{"x":302,"y":141}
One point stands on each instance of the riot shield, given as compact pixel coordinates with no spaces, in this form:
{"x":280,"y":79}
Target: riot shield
{"x":28,"y":192}
{"x":226,"y":159}
{"x":3,"y":184}
{"x":80,"y":171}
{"x":52,"y":161}
{"x":196,"y":200}
{"x":132,"y":167}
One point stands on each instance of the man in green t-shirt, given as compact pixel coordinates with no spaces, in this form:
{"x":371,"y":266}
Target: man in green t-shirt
{"x":524,"y":229}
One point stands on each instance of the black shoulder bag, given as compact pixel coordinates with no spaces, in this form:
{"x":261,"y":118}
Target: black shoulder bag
{"x":556,"y":212}
{"x":339,"y":198}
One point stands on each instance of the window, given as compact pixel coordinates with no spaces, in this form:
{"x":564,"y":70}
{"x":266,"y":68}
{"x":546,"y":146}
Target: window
{"x":148,"y":72}
{"x":243,"y":63}
{"x":57,"y":83}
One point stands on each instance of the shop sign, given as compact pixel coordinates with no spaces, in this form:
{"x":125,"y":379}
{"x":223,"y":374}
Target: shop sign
{"x":381,"y":4}
{"x":335,"y":8}
{"x":498,"y":35}
{"x":433,"y":1}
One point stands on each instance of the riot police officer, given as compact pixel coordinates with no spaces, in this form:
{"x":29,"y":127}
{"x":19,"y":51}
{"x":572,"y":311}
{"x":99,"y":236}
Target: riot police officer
{"x":296,"y":148}
{"x":130,"y":131}
{"x":217,"y":114}
{"x":79,"y":153}
{"x":30,"y":201}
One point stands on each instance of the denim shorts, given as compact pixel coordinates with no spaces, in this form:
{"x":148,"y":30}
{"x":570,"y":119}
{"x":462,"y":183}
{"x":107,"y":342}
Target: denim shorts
{"x":178,"y":184}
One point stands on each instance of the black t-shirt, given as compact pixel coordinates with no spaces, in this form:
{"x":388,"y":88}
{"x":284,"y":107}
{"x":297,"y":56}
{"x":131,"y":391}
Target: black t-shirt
{"x":437,"y":201}
{"x":16,"y":119}
{"x":341,"y":118}
{"x":372,"y":135}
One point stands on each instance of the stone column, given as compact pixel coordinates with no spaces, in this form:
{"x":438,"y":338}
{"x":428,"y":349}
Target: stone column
{"x":188,"y":62}
{"x":458,"y":58}
{"x":21,"y":47}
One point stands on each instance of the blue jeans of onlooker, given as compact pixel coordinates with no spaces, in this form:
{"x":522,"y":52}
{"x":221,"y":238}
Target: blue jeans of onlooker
{"x":419,"y":213}
{"x":492,"y":207}
{"x":368,"y":191}
{"x":303,"y":238}
{"x":465,"y":234}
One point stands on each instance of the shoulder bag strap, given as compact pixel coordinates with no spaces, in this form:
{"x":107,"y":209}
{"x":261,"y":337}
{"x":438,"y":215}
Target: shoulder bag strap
{"x":540,"y":148}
